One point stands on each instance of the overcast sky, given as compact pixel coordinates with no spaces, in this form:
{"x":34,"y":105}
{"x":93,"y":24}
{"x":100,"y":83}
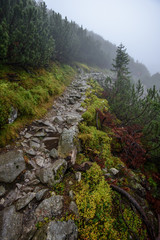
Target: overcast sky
{"x":135,"y":23}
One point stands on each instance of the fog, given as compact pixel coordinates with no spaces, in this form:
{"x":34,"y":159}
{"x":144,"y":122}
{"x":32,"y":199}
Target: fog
{"x":135,"y":23}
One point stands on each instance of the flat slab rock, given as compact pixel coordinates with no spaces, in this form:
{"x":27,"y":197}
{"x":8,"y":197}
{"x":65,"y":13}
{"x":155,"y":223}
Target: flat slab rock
{"x":49,"y":207}
{"x":56,"y":230}
{"x":66,"y":143}
{"x":12,"y":164}
{"x":10,"y":224}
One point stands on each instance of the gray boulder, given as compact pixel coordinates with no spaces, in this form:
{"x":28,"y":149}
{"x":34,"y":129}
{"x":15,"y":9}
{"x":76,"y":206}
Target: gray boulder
{"x":67,"y":144}
{"x":56,"y":230}
{"x":49,"y":207}
{"x":53,"y":174}
{"x":10,"y":224}
{"x":12,"y":164}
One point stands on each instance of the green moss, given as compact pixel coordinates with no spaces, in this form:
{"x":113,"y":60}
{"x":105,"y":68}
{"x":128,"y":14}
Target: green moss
{"x":31,"y":92}
{"x":59,"y":173}
{"x":94,"y":201}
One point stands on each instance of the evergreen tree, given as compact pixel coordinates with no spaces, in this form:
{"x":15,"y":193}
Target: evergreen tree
{"x":121,"y":62}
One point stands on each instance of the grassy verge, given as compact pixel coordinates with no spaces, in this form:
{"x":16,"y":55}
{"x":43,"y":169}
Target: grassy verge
{"x":31,"y":92}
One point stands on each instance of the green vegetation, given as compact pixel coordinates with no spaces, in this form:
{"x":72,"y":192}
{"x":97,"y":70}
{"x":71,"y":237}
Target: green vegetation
{"x":135,"y":107}
{"x":26,"y":91}
{"x":100,"y":215}
{"x":32,"y":35}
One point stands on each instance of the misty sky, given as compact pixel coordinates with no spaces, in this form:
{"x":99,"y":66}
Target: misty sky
{"x":135,"y":23}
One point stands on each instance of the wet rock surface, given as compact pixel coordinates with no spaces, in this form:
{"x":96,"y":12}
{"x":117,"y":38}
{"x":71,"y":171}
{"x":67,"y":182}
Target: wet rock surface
{"x":41,"y":157}
{"x":12,"y":164}
{"x":10,"y":224}
{"x":58,"y":231}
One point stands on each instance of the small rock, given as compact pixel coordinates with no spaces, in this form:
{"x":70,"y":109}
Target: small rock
{"x":58,"y":120}
{"x":23,"y":202}
{"x":35,"y":139}
{"x":19,"y":186}
{"x":113,"y":171}
{"x":73,"y":207}
{"x":2,"y":201}
{"x":80,"y":110}
{"x":29,"y":175}
{"x":34,"y":144}
{"x":49,"y":207}
{"x":108,"y":175}
{"x":54,"y":153}
{"x":28,"y":135}
{"x":31,"y":152}
{"x":13,"y":115}
{"x":40,"y":134}
{"x":70,"y":183}
{"x":34,"y":182}
{"x":72,"y":119}
{"x":47,"y":123}
{"x":71,"y":194}
{"x":40,"y":194}
{"x":40,"y":161}
{"x":78,"y":176}
{"x":2,"y":191}
{"x":104,"y":170}
{"x":71,"y":101}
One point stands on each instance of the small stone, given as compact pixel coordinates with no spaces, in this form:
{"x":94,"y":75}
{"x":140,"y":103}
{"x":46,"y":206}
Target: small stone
{"x":73,"y":207}
{"x":40,"y":161}
{"x":34,"y":145}
{"x":40,"y":134}
{"x":113,"y":171}
{"x":2,"y":191}
{"x":28,"y":135}
{"x":54,"y":153}
{"x":58,"y":120}
{"x":35,"y":139}
{"x":104,"y":170}
{"x":13,"y":115}
{"x":2,"y":201}
{"x":29,"y":175}
{"x":108,"y":175}
{"x":71,"y":194}
{"x":80,"y":110}
{"x":70,"y":183}
{"x":78,"y":176}
{"x":71,"y":101}
{"x":40,"y":194}
{"x":23,"y":202}
{"x":31,"y":152}
{"x":34,"y":182}
{"x":19,"y":186}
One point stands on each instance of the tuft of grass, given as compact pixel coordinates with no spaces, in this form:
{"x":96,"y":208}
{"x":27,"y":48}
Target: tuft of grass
{"x":31,"y":92}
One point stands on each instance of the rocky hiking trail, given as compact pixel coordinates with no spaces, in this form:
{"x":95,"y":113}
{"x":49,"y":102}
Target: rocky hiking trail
{"x":38,"y":160}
